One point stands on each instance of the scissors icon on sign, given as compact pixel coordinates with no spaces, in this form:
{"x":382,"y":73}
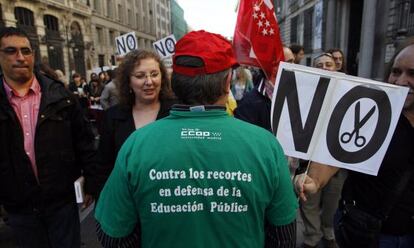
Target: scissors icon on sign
{"x":359,"y":140}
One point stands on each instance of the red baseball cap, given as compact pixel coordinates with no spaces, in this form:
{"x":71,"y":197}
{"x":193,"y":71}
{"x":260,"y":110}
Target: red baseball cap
{"x":213,"y":49}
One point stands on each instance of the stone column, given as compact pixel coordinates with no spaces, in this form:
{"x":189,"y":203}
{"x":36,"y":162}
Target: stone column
{"x":366,"y":48}
{"x":331,"y":32}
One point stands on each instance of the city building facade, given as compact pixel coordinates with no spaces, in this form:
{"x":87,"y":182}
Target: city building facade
{"x":178,"y":23}
{"x":368,"y":31}
{"x":79,"y":35}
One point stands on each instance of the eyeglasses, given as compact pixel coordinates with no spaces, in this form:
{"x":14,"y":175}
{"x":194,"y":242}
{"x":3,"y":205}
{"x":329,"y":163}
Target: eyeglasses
{"x":26,"y":51}
{"x":142,"y":76}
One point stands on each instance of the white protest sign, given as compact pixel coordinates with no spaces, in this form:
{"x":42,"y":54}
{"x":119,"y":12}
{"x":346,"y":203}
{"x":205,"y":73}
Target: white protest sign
{"x":165,"y":47}
{"x":333,"y":118}
{"x":126,"y":43}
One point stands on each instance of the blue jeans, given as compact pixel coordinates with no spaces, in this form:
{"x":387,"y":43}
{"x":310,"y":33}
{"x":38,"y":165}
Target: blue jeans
{"x":391,"y":241}
{"x":60,"y":229}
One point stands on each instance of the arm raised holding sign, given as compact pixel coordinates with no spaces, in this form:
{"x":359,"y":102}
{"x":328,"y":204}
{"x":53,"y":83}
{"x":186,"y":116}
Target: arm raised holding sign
{"x":376,"y":209}
{"x":317,"y":177}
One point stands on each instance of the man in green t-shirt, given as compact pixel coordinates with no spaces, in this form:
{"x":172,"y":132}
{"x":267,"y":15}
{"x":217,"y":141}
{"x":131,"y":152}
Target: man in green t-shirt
{"x":199,"y":178}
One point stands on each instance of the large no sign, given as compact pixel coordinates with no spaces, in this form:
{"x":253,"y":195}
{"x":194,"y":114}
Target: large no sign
{"x":335,"y":119}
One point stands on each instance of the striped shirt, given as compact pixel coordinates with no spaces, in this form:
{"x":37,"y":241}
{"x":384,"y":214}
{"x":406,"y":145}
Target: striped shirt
{"x":26,"y":108}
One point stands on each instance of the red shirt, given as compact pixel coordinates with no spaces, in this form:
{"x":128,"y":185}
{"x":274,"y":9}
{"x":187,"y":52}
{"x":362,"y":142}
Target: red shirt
{"x":27,"y":108}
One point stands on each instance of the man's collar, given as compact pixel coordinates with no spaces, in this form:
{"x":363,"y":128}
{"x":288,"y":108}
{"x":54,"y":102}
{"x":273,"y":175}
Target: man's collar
{"x":10,"y":92}
{"x":196,"y":108}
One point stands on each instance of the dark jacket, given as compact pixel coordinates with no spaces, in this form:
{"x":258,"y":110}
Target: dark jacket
{"x":64,"y":145}
{"x":255,"y":108}
{"x":117,"y":125}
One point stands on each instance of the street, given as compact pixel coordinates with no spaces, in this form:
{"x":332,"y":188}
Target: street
{"x":88,"y":236}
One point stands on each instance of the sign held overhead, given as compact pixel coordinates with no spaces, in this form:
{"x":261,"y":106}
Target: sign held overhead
{"x":333,"y":118}
{"x":126,"y":43}
{"x":165,"y":47}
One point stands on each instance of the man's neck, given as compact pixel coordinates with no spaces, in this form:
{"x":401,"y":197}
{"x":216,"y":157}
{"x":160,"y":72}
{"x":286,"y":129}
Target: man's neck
{"x":222,"y":100}
{"x":20,"y":88}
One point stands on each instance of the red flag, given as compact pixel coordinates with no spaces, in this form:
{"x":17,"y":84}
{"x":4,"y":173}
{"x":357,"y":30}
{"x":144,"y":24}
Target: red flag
{"x":256,"y":38}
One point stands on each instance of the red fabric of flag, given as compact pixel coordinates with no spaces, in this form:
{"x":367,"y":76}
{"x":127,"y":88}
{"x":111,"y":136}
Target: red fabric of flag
{"x":256,"y":38}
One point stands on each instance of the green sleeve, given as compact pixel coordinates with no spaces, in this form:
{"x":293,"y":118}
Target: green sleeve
{"x":283,"y":206}
{"x":115,"y":211}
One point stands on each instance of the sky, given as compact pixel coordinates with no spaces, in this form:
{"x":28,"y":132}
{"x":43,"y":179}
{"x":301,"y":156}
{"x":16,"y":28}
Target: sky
{"x":216,"y":16}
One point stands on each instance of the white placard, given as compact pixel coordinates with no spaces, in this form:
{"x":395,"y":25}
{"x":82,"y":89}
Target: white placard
{"x":165,"y":47}
{"x":333,"y":118}
{"x":126,"y":43}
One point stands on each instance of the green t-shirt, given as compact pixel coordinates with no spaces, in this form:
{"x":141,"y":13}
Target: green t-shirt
{"x":198,"y":179}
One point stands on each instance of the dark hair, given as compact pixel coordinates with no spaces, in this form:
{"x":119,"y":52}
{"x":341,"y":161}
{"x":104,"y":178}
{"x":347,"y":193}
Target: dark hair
{"x":203,"y":89}
{"x":75,"y":75}
{"x":93,"y":75}
{"x":296,"y":48}
{"x":49,"y":72}
{"x":334,"y":50}
{"x":12,"y":31}
{"x":406,"y":43}
{"x":111,"y":73}
{"x":123,"y":74}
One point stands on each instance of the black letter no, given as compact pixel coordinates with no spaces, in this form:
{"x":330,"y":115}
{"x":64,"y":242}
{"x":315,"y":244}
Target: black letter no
{"x":302,"y":134}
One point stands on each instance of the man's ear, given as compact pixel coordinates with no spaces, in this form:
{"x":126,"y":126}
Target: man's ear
{"x":228,"y":82}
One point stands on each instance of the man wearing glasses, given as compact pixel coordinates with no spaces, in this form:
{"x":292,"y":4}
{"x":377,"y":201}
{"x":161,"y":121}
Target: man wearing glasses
{"x":45,"y":143}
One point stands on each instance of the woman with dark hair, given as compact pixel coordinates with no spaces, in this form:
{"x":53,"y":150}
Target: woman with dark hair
{"x":95,"y":90}
{"x":339,"y":58}
{"x":145,"y":95}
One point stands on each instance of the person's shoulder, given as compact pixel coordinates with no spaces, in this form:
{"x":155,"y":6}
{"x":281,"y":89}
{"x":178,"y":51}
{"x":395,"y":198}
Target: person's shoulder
{"x":118,"y":111}
{"x":254,"y":108}
{"x":253,"y":97}
{"x":168,"y":102}
{"x":54,"y":87}
{"x":251,"y":128}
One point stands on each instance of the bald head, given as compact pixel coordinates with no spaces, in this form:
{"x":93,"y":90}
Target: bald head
{"x":289,"y":57}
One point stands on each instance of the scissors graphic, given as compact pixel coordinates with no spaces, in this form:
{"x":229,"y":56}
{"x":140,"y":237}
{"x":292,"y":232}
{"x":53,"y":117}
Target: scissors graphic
{"x":359,"y":140}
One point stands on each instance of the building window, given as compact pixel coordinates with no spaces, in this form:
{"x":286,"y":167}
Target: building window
{"x":308,"y":30}
{"x":294,"y":30}
{"x":51,"y":23}
{"x":109,"y":8}
{"x":130,"y":17}
{"x":111,"y":38}
{"x":24,"y":16}
{"x":97,"y":5}
{"x":99,"y":35}
{"x":1,"y":17}
{"x":101,"y":60}
{"x":137,"y":21}
{"x":120,"y":15}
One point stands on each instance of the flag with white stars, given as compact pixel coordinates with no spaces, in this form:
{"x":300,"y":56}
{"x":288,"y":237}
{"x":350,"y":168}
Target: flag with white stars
{"x":256,"y":38}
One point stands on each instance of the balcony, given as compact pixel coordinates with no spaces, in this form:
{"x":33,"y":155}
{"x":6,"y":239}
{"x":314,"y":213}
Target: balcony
{"x":81,"y":8}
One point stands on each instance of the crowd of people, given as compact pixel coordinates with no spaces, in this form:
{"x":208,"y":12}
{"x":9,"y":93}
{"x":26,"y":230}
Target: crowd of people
{"x":173,"y":167}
